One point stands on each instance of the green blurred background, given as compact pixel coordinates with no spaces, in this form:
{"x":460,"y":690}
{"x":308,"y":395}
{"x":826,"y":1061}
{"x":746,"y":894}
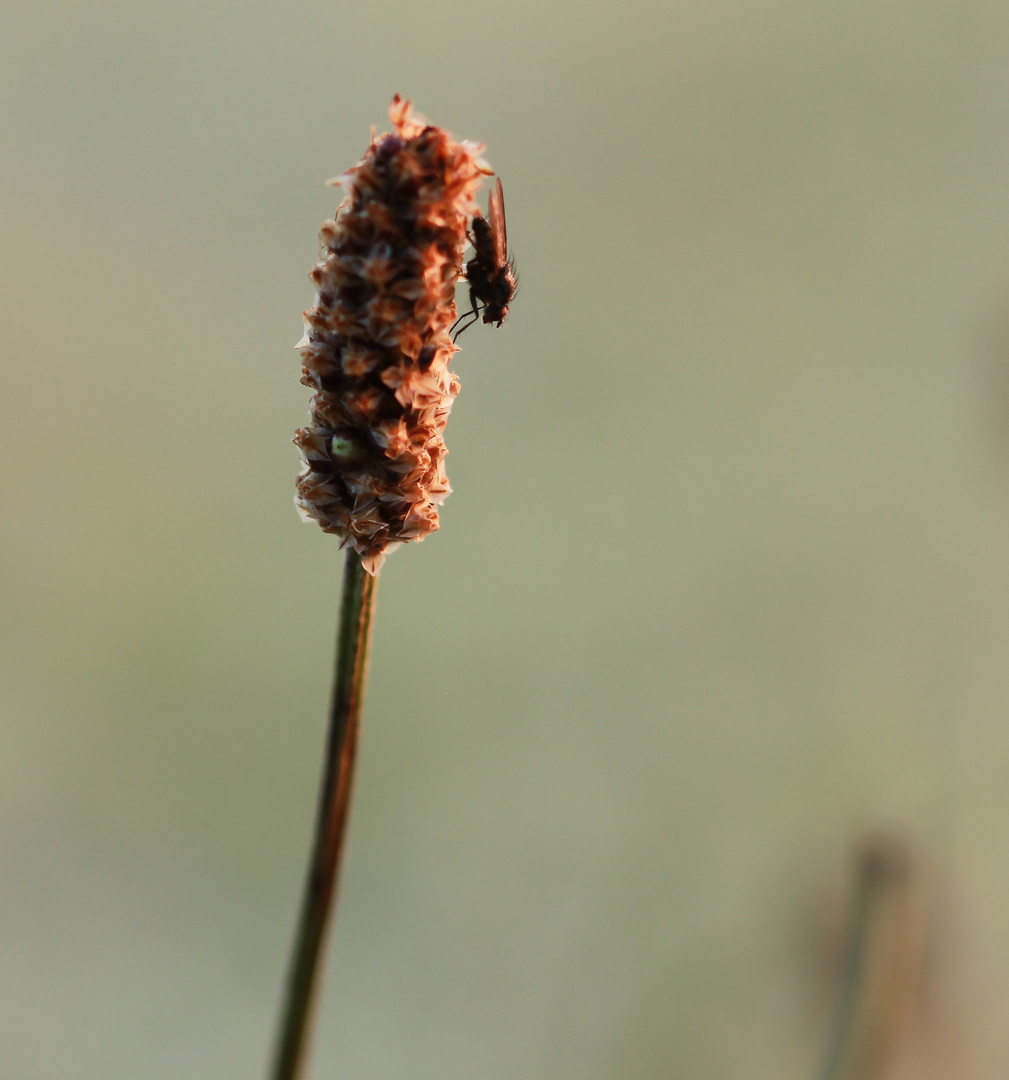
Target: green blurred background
{"x":724,"y":582}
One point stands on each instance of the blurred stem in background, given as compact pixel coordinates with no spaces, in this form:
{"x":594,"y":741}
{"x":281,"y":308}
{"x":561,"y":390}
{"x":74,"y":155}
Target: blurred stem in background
{"x":881,"y":964}
{"x":351,"y":668}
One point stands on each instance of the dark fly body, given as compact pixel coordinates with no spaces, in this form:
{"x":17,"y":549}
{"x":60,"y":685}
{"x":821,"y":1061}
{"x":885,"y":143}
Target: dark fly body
{"x":490,"y":273}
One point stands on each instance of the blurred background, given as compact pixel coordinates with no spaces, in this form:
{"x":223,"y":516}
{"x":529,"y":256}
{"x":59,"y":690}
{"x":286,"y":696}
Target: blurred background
{"x":723,"y":587}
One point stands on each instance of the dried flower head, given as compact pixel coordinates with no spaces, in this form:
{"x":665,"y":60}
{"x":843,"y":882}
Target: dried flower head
{"x":376,"y":348}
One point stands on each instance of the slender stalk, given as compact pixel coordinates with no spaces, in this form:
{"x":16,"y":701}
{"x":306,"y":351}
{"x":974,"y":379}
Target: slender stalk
{"x":879,"y":974}
{"x":350,"y":672}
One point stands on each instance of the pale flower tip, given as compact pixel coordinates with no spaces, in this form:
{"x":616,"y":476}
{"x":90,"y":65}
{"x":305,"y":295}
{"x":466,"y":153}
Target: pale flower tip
{"x":305,"y":340}
{"x":373,"y":563}
{"x":399,"y":110}
{"x":338,"y":181}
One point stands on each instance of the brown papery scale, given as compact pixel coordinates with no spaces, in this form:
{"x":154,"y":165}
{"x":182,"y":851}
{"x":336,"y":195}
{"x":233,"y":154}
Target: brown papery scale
{"x":377,"y":348}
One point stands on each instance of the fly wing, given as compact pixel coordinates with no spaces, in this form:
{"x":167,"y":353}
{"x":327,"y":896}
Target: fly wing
{"x":498,"y":227}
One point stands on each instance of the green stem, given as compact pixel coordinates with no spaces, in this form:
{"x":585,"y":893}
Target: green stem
{"x":351,"y":670}
{"x":877,"y":979}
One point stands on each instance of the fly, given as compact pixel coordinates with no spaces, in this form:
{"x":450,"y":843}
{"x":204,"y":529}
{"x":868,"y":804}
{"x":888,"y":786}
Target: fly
{"x":490,"y":273}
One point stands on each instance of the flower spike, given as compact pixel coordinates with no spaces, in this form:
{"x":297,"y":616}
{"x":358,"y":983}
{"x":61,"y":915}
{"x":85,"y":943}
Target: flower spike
{"x":377,"y":347}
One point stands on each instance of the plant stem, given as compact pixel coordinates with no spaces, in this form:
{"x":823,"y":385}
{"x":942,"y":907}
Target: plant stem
{"x":350,"y":672}
{"x":880,"y":969}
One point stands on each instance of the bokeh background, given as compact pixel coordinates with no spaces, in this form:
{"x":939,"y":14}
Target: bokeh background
{"x":723,"y":586}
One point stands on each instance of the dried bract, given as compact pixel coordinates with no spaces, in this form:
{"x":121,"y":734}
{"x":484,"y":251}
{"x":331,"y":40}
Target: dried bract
{"x":377,"y":348}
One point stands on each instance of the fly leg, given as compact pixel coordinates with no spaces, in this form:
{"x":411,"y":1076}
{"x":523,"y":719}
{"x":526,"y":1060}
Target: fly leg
{"x":474,"y":312}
